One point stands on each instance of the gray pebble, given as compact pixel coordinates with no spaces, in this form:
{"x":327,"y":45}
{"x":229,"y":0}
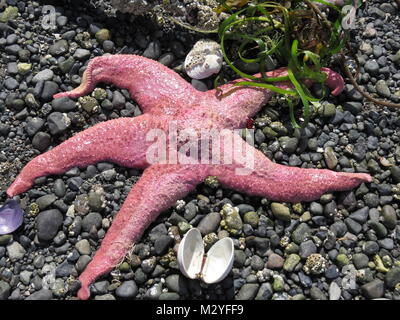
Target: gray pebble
{"x":383,"y":89}
{"x":209,"y":223}
{"x":317,"y":294}
{"x":177,"y":283}
{"x":301,"y":233}
{"x":58,"y":122}
{"x":264,"y":292}
{"x":5,"y":290}
{"x":45,"y":201}
{"x":190,"y":211}
{"x":199,"y":85}
{"x":59,"y":188}
{"x":59,"y":48}
{"x":389,"y":217}
{"x":257,"y":263}
{"x":157,"y":231}
{"x":128,"y":289}
{"x":166,"y":59}
{"x":41,"y":141}
{"x":239,"y":258}
{"x":361,"y":215}
{"x":43,"y":294}
{"x":370,"y":248}
{"x":43,"y":75}
{"x":49,"y":89}
{"x":379,"y":229}
{"x":15,"y":251}
{"x":13,"y":49}
{"x":316,"y":209}
{"x":106,"y":296}
{"x":307,"y":248}
{"x":288,"y":144}
{"x":118,"y":100}
{"x":372,"y":67}
{"x":33,"y":125}
{"x":47,"y":224}
{"x":100,"y":287}
{"x":82,"y":262}
{"x":93,"y":219}
{"x":81,"y":54}
{"x":63,"y":104}
{"x":169,"y":296}
{"x":392,"y":277}
{"x":153,"y":50}
{"x":360,"y":260}
{"x":247,"y":292}
{"x":374,"y":289}
{"x":65,"y":269}
{"x":149,"y":264}
{"x":61,"y":21}
{"x":386,"y":243}
{"x":332,"y":272}
{"x":371,"y":200}
{"x":353,"y":226}
{"x":60,"y":238}
{"x":352,"y":106}
{"x":83,"y":246}
{"x":39,"y":261}
{"x":154,"y":292}
{"x":10,"y":83}
{"x":162,"y":244}
{"x":108,"y":46}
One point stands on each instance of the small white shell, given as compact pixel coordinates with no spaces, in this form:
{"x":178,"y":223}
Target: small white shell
{"x":219,"y":261}
{"x":217,"y":265}
{"x":204,"y":60}
{"x":190,"y":253}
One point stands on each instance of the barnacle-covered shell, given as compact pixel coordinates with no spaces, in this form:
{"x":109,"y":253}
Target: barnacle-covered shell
{"x":217,"y":264}
{"x":204,"y":60}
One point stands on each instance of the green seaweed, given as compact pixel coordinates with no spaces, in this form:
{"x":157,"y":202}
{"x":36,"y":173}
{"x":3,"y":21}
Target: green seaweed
{"x":280,"y":33}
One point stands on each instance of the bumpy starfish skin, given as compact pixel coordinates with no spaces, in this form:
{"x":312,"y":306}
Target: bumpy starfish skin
{"x":164,"y":98}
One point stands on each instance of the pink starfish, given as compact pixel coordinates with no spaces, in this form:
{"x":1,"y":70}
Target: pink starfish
{"x":165,"y":97}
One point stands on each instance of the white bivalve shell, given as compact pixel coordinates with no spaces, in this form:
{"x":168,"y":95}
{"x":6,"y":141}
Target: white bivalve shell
{"x":204,"y":60}
{"x":213,"y":267}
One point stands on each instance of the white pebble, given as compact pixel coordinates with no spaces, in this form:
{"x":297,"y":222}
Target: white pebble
{"x":334,"y":291}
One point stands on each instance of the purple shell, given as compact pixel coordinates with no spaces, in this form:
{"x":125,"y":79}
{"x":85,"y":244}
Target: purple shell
{"x":11,"y":217}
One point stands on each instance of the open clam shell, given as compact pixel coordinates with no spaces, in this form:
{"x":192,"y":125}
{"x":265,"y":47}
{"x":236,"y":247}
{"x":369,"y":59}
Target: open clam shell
{"x":11,"y":217}
{"x":211,"y":268}
{"x":219,"y":261}
{"x":191,"y":253}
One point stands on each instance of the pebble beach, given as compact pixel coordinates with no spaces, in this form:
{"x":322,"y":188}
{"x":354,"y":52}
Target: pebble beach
{"x":343,"y":246}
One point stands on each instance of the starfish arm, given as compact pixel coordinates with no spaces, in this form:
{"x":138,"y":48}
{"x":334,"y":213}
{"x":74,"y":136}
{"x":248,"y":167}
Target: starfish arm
{"x":245,"y":101}
{"x":158,"y":189}
{"x":277,"y":182}
{"x":157,"y":89}
{"x":121,"y":141}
